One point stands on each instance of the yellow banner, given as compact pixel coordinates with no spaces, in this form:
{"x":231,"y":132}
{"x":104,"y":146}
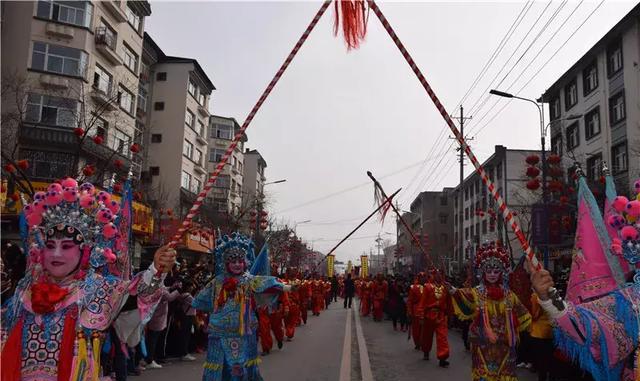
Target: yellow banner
{"x":349,"y":267}
{"x":364,"y":266}
{"x":330,"y":261}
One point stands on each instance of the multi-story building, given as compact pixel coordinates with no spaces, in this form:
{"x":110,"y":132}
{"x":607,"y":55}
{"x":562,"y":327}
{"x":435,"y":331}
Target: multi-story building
{"x":76,"y":65}
{"x":406,"y":250}
{"x":177,"y":92}
{"x":433,"y":224}
{"x":601,"y":89}
{"x":474,"y":224}
{"x":228,"y":189}
{"x":253,"y":178}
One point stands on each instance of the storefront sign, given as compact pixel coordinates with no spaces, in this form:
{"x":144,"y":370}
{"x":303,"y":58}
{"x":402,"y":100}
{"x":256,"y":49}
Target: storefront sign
{"x":199,"y":240}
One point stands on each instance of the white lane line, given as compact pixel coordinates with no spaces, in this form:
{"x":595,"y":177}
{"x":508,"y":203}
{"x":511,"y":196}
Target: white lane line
{"x":365,"y":365}
{"x":345,"y":367}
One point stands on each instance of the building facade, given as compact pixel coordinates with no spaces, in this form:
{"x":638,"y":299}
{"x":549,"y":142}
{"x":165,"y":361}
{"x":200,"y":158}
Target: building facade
{"x":253,"y":178}
{"x":602,"y":89}
{"x":177,"y":102}
{"x":473,"y":224}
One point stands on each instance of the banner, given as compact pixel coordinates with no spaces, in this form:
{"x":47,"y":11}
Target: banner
{"x":200,"y":240}
{"x":330,"y":261}
{"x":364,"y":266}
{"x":349,"y":267}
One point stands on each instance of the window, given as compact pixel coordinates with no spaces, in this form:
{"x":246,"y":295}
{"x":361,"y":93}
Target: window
{"x":52,"y":111}
{"x":102,"y":80}
{"x":142,"y":98}
{"x":554,"y":111}
{"x":484,"y":227}
{"x":556,"y":144}
{"x":125,"y":99}
{"x":477,"y":228}
{"x":614,"y":58}
{"x":186,"y":180}
{"x":46,"y":164}
{"x":443,"y":201}
{"x":200,"y":129}
{"x":619,"y":158}
{"x":594,"y":167}
{"x":617,"y":110}
{"x":590,"y":78}
{"x":129,"y":58}
{"x":198,"y":156}
{"x":215,"y":155}
{"x":187,"y":149}
{"x":133,"y":19}
{"x":573,"y":136}
{"x":106,"y":35}
{"x":58,"y":59}
{"x":155,"y":171}
{"x":161,"y":76}
{"x":492,"y":227}
{"x":156,"y":138}
{"x":201,"y":99}
{"x":222,"y":131}
{"x":466,"y":194}
{"x":99,"y":128}
{"x":69,"y":12}
{"x":466,"y":233}
{"x":466,"y":214}
{"x":193,"y":89}
{"x":592,"y":123}
{"x":196,"y":185}
{"x":471,"y":230}
{"x":121,"y":142}
{"x":158,"y":106}
{"x":570,"y":94}
{"x":222,"y":182}
{"x":189,"y":118}
{"x":443,"y":218}
{"x":499,"y":171}
{"x":444,"y":238}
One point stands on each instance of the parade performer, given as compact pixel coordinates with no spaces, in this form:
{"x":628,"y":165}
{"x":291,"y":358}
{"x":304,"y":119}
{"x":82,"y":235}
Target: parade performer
{"x":292,"y":316}
{"x":365,"y":297}
{"x":304,"y":296}
{"x":317,"y":296}
{"x":264,"y":330}
{"x":379,"y":292}
{"x":276,"y":317}
{"x":600,"y":332}
{"x":53,"y":326}
{"x":413,"y":308}
{"x":231,"y":298}
{"x":497,"y":317}
{"x":435,"y":306}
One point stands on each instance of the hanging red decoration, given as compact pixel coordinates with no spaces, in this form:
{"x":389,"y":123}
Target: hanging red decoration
{"x":88,"y":170}
{"x":135,"y":148}
{"x":10,"y":168}
{"x":23,"y":164}
{"x":117,"y":188}
{"x":354,"y":21}
{"x":532,"y":172}
{"x":533,"y":184}
{"x":169,"y":212}
{"x":555,"y":186}
{"x":137,"y":196}
{"x":79,"y":132}
{"x":15,"y":197}
{"x":602,"y":180}
{"x":571,"y":190}
{"x":554,"y":159}
{"x":118,"y":163}
{"x":532,"y":159}
{"x":98,"y":139}
{"x":564,"y":199}
{"x":555,"y":172}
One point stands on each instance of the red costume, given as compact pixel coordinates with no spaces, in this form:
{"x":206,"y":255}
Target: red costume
{"x":277,"y":318}
{"x":379,"y":292}
{"x":435,"y":305}
{"x":317,"y":296}
{"x":292,"y":318}
{"x":414,"y":311}
{"x":365,"y":298}
{"x":304,"y":296}
{"x":264,"y":330}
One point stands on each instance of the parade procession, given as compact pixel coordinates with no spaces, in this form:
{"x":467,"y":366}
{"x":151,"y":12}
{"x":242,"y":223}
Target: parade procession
{"x":409,"y":225}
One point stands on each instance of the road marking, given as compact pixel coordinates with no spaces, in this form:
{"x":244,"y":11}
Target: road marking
{"x":365,"y":365}
{"x":345,"y":367}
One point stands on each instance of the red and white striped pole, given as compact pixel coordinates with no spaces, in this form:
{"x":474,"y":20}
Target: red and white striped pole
{"x":236,"y":139}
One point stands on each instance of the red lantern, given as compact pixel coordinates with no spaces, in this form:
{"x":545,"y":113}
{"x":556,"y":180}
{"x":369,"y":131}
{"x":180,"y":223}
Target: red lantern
{"x":533,"y":184}
{"x":555,"y":172}
{"x":88,"y":170}
{"x":23,"y":164}
{"x":10,"y":168}
{"x":554,"y":159}
{"x":137,"y":196}
{"x":15,"y":197}
{"x":98,"y":139}
{"x":602,"y":180}
{"x":532,"y":159}
{"x":135,"y":148}
{"x":117,"y":188}
{"x":533,"y":171}
{"x":169,"y":212}
{"x":571,"y":190}
{"x":79,"y":132}
{"x":564,"y":199}
{"x":118,"y":163}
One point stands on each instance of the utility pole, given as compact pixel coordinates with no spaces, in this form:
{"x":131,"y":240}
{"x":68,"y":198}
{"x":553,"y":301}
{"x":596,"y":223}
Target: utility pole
{"x":461,"y":120}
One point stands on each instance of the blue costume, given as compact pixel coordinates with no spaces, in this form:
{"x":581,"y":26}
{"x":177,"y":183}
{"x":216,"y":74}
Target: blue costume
{"x":230,"y":300}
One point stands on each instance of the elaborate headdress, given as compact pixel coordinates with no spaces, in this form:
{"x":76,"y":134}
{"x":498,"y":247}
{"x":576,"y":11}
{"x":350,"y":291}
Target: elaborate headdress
{"x":625,"y":219}
{"x":492,"y":255}
{"x":231,"y":248}
{"x":81,"y":213}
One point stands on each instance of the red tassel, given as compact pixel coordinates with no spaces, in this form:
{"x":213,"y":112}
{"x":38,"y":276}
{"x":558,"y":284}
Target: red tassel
{"x":11,"y":357}
{"x":354,"y":21}
{"x":65,"y":358}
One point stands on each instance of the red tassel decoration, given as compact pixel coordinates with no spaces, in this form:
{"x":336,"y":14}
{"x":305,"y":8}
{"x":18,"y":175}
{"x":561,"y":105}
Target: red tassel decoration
{"x":354,"y":21}
{"x":65,"y":358}
{"x":12,"y":355}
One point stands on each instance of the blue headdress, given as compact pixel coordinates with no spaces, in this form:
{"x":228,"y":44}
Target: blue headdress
{"x":228,"y":248}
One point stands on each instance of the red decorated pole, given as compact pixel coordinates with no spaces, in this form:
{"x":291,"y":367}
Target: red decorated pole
{"x":236,"y":139}
{"x":502,"y":206}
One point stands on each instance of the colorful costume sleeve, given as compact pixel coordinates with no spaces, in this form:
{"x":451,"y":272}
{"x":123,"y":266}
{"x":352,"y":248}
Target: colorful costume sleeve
{"x":465,"y":303}
{"x":204,"y":300}
{"x":606,"y":325}
{"x":521,"y":313}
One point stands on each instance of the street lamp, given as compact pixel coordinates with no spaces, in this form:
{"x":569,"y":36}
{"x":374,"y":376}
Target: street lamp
{"x":295,"y":225}
{"x":259,"y":198}
{"x":277,"y":182}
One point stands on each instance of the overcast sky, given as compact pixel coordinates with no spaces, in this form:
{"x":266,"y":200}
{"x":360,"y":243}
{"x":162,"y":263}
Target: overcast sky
{"x":336,"y":114}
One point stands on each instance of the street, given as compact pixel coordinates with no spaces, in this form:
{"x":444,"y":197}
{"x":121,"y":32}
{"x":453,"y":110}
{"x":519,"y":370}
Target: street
{"x":319,"y":352}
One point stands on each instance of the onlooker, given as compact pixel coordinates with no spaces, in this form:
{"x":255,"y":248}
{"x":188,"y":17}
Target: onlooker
{"x":158,"y":324}
{"x":349,"y":291}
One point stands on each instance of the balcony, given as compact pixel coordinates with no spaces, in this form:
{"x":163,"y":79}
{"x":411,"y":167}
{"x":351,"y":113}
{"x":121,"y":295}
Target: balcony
{"x":103,"y":98}
{"x":203,"y":111}
{"x":59,"y":30}
{"x":201,"y":140}
{"x":54,"y":81}
{"x":198,"y":168}
{"x":106,"y":43}
{"x":114,"y":8}
{"x":49,"y":136}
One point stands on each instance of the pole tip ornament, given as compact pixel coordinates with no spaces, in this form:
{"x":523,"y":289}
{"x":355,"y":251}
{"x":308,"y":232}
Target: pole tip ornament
{"x":354,"y":18}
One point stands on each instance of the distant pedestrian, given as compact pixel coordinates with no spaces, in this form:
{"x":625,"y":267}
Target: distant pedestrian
{"x":349,"y":291}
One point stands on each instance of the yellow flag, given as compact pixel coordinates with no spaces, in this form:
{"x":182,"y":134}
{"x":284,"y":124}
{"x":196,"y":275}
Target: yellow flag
{"x":330,"y":259}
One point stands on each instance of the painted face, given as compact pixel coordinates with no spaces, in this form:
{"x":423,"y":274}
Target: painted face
{"x":236,"y":266}
{"x":492,"y":274}
{"x":61,"y":257}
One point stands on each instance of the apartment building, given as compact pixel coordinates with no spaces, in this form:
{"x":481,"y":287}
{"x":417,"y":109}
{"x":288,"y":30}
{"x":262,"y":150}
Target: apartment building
{"x":228,"y":189}
{"x":76,"y":65}
{"x":473,"y":224}
{"x":253,"y":177}
{"x":176,"y":92}
{"x":601,"y":89}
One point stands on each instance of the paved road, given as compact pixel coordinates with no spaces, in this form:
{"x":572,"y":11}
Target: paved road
{"x":340,"y":346}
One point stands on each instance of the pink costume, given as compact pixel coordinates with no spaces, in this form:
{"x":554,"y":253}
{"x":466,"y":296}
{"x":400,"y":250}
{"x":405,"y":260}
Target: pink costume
{"x":52,"y":328}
